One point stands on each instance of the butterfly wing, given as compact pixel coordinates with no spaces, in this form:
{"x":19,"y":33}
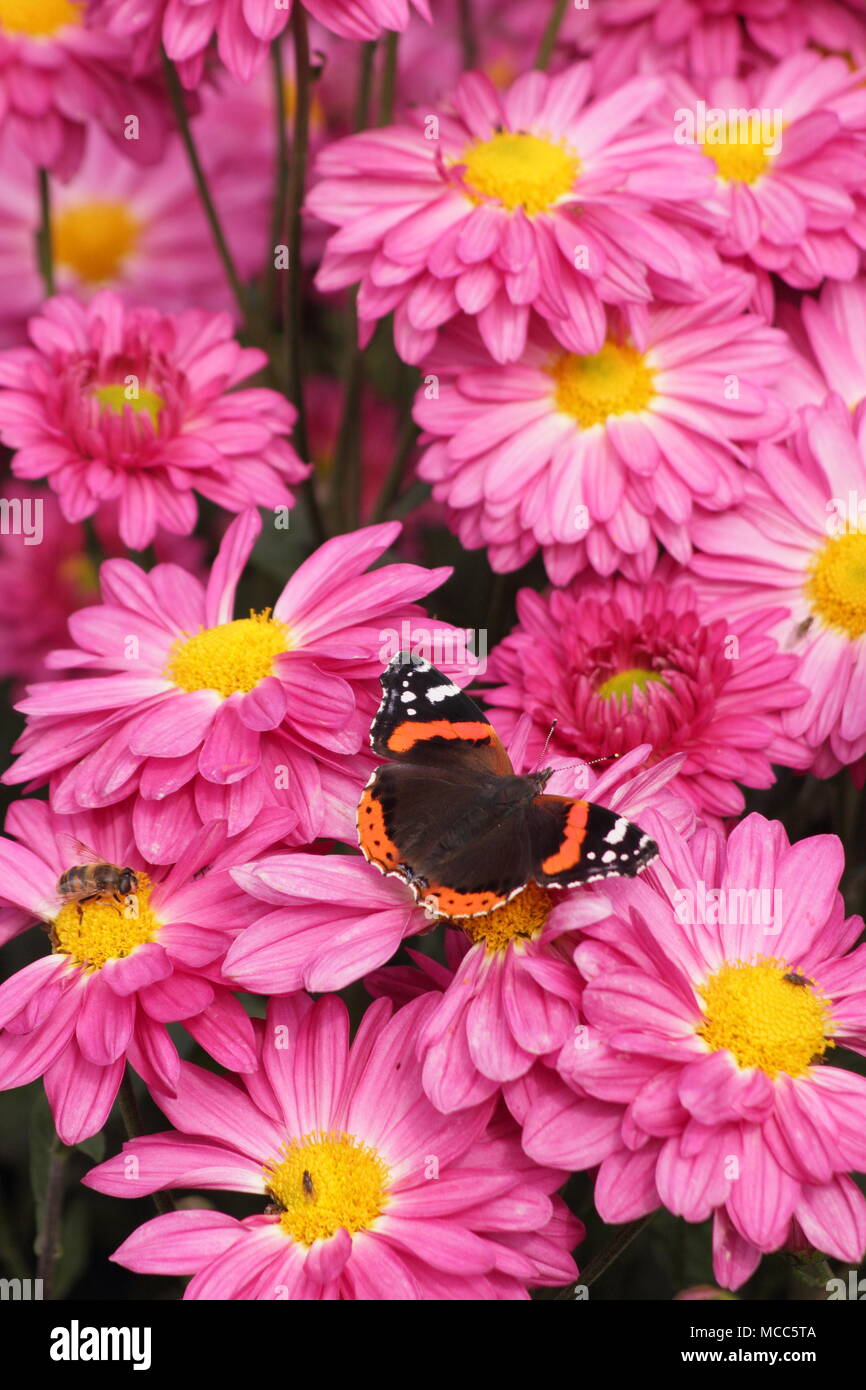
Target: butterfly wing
{"x":576,"y":842}
{"x":426,"y":719}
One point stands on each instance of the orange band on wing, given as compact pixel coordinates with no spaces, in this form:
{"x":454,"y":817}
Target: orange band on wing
{"x":449,"y":903}
{"x":406,"y":735}
{"x":574,"y":832}
{"x":372,"y":835}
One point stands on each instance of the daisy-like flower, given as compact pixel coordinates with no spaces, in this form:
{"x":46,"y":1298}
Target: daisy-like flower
{"x":619,"y":664}
{"x":243,"y":29}
{"x":139,"y":231}
{"x":711,"y":38}
{"x":597,"y":457}
{"x":39,"y":593}
{"x":515,"y":995}
{"x":532,"y":198}
{"x":118,"y":970}
{"x":204,"y":716}
{"x":60,"y":71}
{"x":120,"y":403}
{"x":372,"y":1194}
{"x":790,"y":162}
{"x":830,"y":333}
{"x":714,"y":995}
{"x":798,"y":541}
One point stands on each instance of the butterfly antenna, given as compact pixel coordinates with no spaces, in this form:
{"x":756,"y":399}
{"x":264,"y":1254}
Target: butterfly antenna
{"x":547,"y":741}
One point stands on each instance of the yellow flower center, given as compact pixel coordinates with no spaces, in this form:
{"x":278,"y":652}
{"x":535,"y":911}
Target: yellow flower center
{"x":38,"y":17}
{"x":230,"y":658}
{"x":521,"y":919}
{"x":837,"y":584}
{"x":93,"y":933}
{"x":626,"y":682}
{"x":113,"y":397}
{"x":740,"y":152}
{"x":94,"y":239}
{"x":764,"y":1019}
{"x":520,"y":170}
{"x":614,"y":381}
{"x":325,"y":1181}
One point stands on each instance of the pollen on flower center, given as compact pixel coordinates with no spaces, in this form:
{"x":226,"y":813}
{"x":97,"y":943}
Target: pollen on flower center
{"x":94,"y":239}
{"x":614,"y":381}
{"x":113,"y":397}
{"x":626,"y":682}
{"x":325,"y":1181}
{"x":764,"y":1019}
{"x":520,"y":170}
{"x":38,"y":18}
{"x":520,"y":919}
{"x":93,"y":933}
{"x":230,"y":658}
{"x":837,"y":584}
{"x":739,"y":153}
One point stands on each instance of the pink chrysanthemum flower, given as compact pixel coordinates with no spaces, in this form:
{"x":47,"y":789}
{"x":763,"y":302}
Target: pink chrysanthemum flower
{"x":597,"y":458}
{"x":119,"y":971}
{"x":45,"y":574}
{"x":139,"y":231}
{"x":713,"y":996}
{"x":208,"y":717}
{"x":502,"y":203}
{"x":710,"y":38}
{"x":798,"y":541}
{"x":119,"y":403}
{"x":830,"y":333}
{"x":372,"y":1193}
{"x":60,"y":71}
{"x":243,"y":29}
{"x":516,"y":995}
{"x":619,"y":664}
{"x":790,"y":176}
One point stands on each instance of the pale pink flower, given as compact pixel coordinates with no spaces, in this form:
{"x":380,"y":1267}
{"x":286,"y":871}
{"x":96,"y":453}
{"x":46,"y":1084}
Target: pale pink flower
{"x":204,"y":716}
{"x":596,"y":458}
{"x":798,"y":542}
{"x":830,"y":333}
{"x":118,"y":972}
{"x":339,"y":1139}
{"x":715,"y":992}
{"x":114,"y":403}
{"x":534,"y":198}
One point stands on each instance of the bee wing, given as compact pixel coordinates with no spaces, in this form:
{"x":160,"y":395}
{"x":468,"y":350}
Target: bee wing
{"x":76,"y":851}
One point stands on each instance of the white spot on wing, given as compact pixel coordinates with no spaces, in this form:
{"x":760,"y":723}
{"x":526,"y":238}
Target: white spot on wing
{"x":617,"y":832}
{"x":441,"y":692}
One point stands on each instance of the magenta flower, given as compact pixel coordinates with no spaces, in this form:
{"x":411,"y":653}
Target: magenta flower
{"x":597,"y":458}
{"x":373,"y":1194}
{"x":117,"y":973}
{"x":798,"y":541}
{"x":789,"y":188}
{"x":60,"y":71}
{"x":714,"y":994}
{"x":115,"y":403}
{"x":618,"y":664}
{"x":499,"y":204}
{"x":830,"y":333}
{"x":243,"y":29}
{"x":205,"y":717}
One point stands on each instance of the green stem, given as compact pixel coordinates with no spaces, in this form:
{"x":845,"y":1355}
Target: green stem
{"x":281,"y":191}
{"x":549,"y":37}
{"x":128,"y":1105}
{"x":346,"y":478}
{"x":605,"y":1258}
{"x":391,"y":486}
{"x":48,"y":1244}
{"x":297,"y":184}
{"x":44,"y":252}
{"x":365,"y":84}
{"x":468,"y":37}
{"x":389,"y":80}
{"x":176,"y":95}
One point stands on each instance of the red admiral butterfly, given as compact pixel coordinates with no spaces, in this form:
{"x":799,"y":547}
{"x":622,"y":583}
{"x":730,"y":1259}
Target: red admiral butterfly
{"x":451,"y":818}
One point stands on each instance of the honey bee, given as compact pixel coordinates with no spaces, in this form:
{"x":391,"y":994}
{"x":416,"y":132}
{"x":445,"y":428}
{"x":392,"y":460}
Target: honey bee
{"x":93,"y":878}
